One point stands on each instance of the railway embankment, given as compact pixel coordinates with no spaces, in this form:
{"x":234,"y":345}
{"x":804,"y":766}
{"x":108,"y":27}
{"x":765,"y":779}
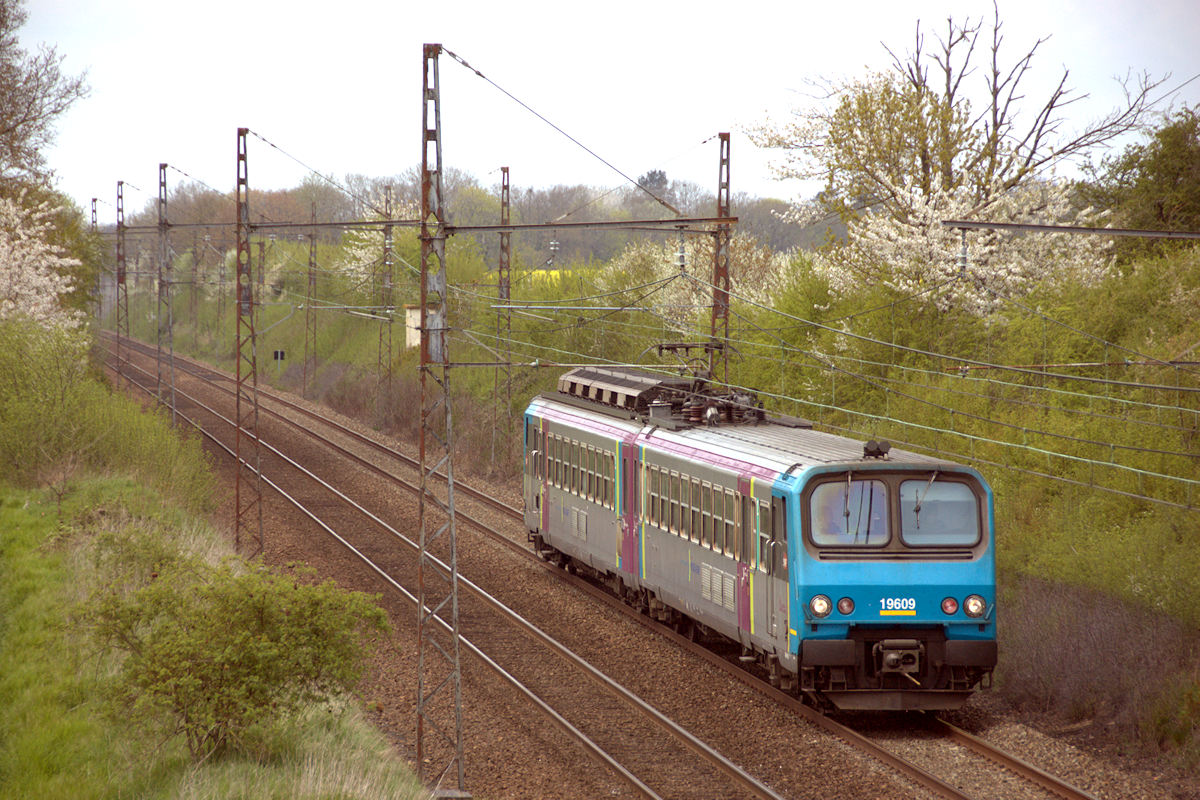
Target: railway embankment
{"x":104,"y":525}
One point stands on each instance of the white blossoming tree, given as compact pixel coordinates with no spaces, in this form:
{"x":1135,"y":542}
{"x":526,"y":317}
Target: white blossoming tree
{"x":684,"y":297}
{"x":34,"y":275}
{"x":917,"y":255}
{"x":905,"y":148}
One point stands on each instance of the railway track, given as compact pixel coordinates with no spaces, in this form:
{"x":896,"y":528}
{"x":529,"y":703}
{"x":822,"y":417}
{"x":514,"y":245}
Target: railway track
{"x":900,"y":751}
{"x":607,"y":720}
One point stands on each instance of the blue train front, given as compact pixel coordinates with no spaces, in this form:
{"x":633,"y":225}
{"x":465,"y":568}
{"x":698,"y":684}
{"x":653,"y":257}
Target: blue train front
{"x":857,"y":574}
{"x":895,"y":580}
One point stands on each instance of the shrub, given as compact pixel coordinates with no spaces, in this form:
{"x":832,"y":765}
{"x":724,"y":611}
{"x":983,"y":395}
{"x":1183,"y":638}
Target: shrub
{"x":1091,"y":656}
{"x":224,"y":648}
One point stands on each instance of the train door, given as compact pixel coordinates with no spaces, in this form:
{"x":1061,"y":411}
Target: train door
{"x":534,"y":473}
{"x":629,"y":535}
{"x":744,"y":534}
{"x":774,"y":546}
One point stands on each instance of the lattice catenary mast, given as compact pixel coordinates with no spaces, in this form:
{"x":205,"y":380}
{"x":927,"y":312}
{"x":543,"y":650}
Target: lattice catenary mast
{"x":122,"y":289}
{"x":247,"y":492}
{"x":439,"y":679}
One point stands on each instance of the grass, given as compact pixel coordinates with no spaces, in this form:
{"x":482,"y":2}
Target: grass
{"x":59,"y":736}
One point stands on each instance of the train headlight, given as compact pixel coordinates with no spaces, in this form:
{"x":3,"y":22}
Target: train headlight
{"x":950,"y":606}
{"x":846,"y":606}
{"x":820,"y":606}
{"x":975,"y":606}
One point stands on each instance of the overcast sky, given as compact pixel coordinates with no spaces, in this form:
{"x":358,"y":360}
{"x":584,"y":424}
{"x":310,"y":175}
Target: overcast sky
{"x":646,"y":85}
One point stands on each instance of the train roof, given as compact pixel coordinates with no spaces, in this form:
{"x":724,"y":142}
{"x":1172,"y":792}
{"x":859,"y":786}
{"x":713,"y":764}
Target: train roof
{"x":662,"y":413}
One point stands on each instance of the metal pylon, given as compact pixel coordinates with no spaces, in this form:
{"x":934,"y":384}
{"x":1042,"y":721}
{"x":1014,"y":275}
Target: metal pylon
{"x":247,"y":490}
{"x":310,"y":319}
{"x":439,"y":679}
{"x":386,"y":308}
{"x":501,"y":415}
{"x":122,"y":288}
{"x":720,"y":313}
{"x":164,"y":319}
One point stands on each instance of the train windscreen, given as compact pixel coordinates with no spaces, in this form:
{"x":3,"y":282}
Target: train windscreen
{"x":849,"y":513}
{"x":937,"y":513}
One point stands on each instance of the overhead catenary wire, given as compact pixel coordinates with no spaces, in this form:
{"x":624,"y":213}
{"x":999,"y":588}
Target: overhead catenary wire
{"x":580,"y":144}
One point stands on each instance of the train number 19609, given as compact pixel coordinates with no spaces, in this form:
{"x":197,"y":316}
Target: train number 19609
{"x":897,"y":605}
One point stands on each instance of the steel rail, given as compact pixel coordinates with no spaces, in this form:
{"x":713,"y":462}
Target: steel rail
{"x":714,"y":757}
{"x":1010,"y":762}
{"x":557,"y":718}
{"x":854,"y":738}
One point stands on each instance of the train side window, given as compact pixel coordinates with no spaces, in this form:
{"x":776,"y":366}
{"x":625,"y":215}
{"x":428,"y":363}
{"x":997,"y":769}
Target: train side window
{"x":576,"y":473}
{"x":766,"y":531}
{"x":675,"y":502}
{"x":562,"y":463}
{"x":584,"y":466}
{"x":590,"y":483}
{"x":611,"y":466}
{"x":632,"y":491}
{"x":745,"y":533}
{"x":730,"y":521}
{"x":718,"y":528}
{"x":695,"y":506}
{"x":610,"y":461}
{"x":602,"y":466}
{"x":552,"y":459}
{"x":706,"y":515}
{"x":685,"y":506}
{"x":653,"y":505}
{"x":544,"y":468}
{"x":561,"y":460}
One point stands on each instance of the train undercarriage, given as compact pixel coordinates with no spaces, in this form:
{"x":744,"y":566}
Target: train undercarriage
{"x":876,"y":669}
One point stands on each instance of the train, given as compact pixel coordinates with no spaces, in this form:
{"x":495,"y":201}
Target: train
{"x":856,"y":574}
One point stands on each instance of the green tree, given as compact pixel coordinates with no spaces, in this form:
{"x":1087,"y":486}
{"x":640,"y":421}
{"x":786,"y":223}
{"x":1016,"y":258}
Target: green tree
{"x":1153,"y":185}
{"x":905,"y":148}
{"x":912,"y":130}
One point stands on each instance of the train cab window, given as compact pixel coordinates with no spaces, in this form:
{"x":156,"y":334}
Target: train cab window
{"x":937,"y":513}
{"x":849,"y":513}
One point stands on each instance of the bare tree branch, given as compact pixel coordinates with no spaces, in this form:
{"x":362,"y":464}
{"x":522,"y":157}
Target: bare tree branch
{"x":34,"y":93}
